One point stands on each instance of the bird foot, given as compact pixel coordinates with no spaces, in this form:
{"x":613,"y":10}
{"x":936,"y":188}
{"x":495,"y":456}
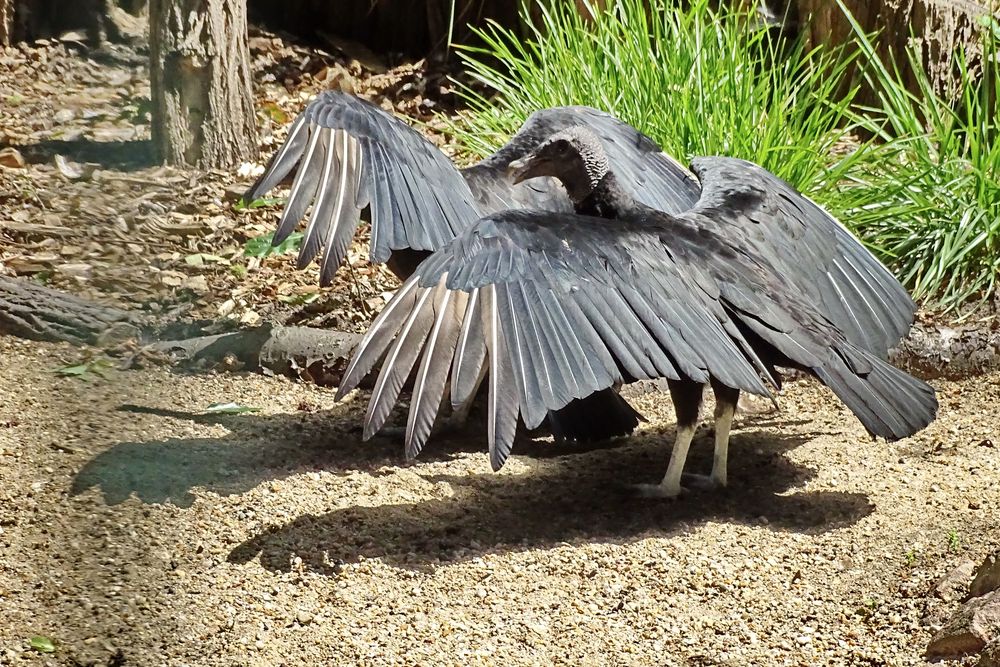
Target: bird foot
{"x":702,"y":482}
{"x":657,"y":491}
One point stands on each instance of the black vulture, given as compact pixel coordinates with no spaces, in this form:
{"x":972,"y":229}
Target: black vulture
{"x":351,"y":154}
{"x":419,"y":201}
{"x":561,"y":305}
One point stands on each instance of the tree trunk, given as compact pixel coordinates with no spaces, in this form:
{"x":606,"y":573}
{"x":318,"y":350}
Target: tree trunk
{"x":203,"y":110}
{"x":6,"y":22}
{"x":938,"y":27}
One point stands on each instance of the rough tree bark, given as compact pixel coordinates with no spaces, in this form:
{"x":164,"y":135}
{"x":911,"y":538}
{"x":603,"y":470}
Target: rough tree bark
{"x":203,"y":111}
{"x":32,"y":311}
{"x":6,"y":22}
{"x":938,"y":26}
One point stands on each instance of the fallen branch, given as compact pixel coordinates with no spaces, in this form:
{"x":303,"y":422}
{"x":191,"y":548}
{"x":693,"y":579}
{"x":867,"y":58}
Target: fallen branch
{"x":316,"y":355}
{"x":931,"y":351}
{"x":29,"y":310}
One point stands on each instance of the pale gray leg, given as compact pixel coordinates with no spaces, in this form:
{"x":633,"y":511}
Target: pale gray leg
{"x":726,"y":399}
{"x":686,"y":396}
{"x":725,"y":409}
{"x":460,"y":415}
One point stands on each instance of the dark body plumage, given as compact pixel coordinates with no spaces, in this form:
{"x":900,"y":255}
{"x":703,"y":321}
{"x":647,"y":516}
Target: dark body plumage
{"x":563,"y":305}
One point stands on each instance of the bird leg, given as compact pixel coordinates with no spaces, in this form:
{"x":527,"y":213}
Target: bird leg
{"x":686,"y":395}
{"x":726,"y":399}
{"x":459,"y":417}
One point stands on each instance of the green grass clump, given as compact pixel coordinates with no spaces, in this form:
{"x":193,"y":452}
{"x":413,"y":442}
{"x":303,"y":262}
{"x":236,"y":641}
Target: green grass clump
{"x":930,"y":203}
{"x":699,"y":82}
{"x":922,"y":193}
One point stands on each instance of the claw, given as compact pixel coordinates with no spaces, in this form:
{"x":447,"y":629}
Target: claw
{"x":702,"y":482}
{"x":658,"y":491}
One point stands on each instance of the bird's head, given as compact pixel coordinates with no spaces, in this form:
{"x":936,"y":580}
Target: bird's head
{"x":575,"y":156}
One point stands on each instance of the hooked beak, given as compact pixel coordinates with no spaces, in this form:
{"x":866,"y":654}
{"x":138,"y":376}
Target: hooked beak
{"x":523,"y":169}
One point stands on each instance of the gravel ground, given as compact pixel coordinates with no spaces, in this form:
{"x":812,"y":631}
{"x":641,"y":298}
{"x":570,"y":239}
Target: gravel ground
{"x":134,"y":529}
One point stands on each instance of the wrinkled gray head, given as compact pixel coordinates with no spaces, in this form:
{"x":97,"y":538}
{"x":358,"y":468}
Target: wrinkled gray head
{"x":575,"y":156}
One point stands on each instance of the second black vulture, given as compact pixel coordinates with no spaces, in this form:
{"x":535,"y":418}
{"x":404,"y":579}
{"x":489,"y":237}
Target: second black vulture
{"x":349,"y":154}
{"x":562,"y":305}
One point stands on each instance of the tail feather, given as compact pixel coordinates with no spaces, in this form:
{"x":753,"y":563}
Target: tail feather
{"x":888,"y":402}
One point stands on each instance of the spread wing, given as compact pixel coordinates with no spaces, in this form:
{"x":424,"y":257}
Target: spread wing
{"x":351,"y":154}
{"x":770,"y":297}
{"x":559,"y":306}
{"x":348,"y":154}
{"x":808,"y":248}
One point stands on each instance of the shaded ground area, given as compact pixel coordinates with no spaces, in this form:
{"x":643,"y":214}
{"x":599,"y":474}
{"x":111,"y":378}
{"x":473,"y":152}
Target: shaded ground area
{"x":133,"y":522}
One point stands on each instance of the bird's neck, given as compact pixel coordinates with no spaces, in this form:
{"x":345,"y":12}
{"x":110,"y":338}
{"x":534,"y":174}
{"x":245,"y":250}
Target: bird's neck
{"x":605,"y":199}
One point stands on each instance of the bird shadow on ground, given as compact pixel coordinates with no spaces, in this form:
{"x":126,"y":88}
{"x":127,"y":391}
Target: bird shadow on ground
{"x":120,"y":155}
{"x":257,"y":448}
{"x":581,"y":498}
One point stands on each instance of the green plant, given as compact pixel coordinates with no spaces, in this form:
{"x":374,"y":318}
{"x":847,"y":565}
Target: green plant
{"x":42,"y":644}
{"x":954,"y":541}
{"x":298,"y":299}
{"x":86,"y":370}
{"x":697,"y":81}
{"x":936,"y":218}
{"x":260,"y":246}
{"x":260,"y":202}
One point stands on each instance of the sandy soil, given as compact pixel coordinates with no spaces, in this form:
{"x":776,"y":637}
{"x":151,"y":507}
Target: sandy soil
{"x":134,"y":529}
